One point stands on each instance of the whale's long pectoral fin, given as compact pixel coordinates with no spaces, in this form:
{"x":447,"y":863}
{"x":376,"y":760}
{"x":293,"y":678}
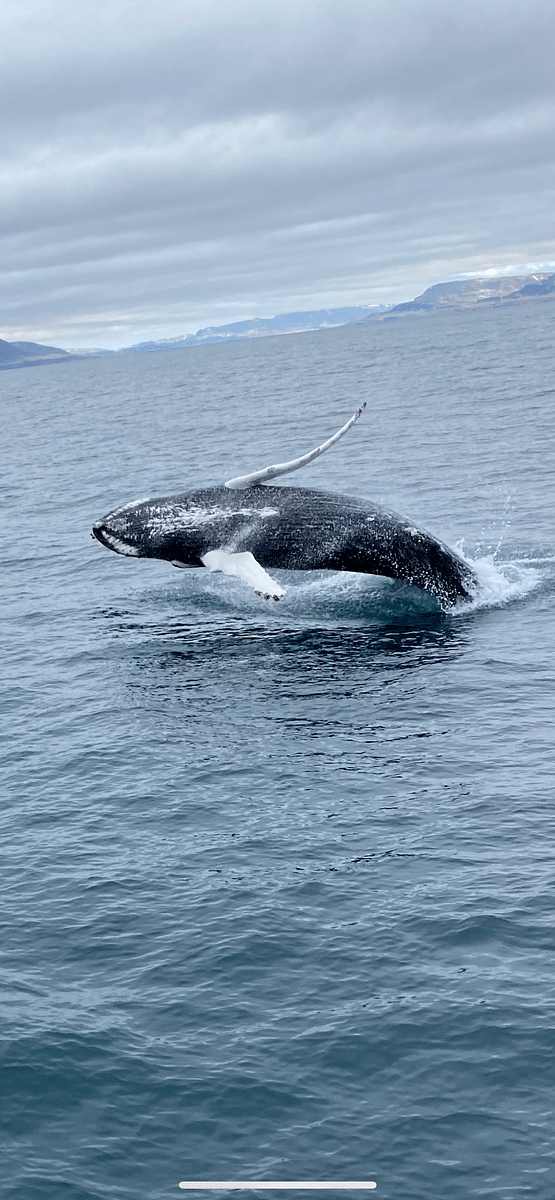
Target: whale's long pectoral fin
{"x":245,"y":567}
{"x":262,"y":476}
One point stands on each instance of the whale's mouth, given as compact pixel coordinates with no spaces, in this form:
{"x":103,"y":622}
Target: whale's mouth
{"x":113,"y":541}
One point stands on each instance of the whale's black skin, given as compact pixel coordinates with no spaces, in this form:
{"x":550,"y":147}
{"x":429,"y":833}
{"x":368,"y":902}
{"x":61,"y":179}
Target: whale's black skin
{"x":287,"y":528}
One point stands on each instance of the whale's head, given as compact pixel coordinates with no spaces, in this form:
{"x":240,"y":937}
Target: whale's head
{"x":123,"y":531}
{"x":149,"y":529}
{"x":178,"y":529}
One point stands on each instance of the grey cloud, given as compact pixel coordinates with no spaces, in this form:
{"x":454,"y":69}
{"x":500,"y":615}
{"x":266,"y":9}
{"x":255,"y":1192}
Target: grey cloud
{"x":239,"y":58}
{"x":166,"y":166}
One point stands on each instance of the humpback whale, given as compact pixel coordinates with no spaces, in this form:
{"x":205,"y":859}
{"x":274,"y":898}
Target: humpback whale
{"x":246,"y":528}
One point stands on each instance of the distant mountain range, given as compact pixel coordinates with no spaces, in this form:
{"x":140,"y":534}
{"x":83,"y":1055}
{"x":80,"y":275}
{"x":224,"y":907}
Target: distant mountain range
{"x":297,"y":322}
{"x":454,"y":296}
{"x":468,"y":293}
{"x":30,"y":354}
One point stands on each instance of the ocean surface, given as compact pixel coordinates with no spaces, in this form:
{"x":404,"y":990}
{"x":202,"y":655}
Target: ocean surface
{"x":278,"y":881}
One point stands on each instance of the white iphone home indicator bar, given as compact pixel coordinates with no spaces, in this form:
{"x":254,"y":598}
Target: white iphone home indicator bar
{"x":207,"y":1185}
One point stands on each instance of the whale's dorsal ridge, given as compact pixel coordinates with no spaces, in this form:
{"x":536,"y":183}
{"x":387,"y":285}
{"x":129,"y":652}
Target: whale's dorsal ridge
{"x":272,"y":472}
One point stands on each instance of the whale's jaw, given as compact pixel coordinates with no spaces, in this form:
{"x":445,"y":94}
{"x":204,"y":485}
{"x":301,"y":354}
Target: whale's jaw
{"x":113,"y":541}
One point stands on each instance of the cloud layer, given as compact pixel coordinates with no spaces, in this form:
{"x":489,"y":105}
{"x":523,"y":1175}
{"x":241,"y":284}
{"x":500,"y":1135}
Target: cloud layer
{"x":170,"y":166}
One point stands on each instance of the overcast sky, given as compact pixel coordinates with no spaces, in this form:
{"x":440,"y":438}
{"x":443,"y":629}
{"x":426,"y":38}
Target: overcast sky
{"x":171,"y":165}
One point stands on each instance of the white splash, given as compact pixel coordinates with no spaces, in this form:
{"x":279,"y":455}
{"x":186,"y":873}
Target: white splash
{"x":498,"y":583}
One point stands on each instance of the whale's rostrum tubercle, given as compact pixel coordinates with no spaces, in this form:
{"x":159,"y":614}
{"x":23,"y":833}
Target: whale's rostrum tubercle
{"x":272,"y":472}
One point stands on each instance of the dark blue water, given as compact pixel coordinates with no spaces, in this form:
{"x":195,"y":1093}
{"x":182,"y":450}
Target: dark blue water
{"x":278,"y":882}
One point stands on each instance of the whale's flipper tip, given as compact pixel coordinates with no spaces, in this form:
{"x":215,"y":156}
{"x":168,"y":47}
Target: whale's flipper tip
{"x":273,"y":472}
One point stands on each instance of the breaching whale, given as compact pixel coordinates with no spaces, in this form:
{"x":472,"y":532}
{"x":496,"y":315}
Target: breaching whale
{"x":247,"y":528}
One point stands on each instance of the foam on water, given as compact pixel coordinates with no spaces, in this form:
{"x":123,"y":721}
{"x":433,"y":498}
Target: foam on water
{"x":499,"y":583}
{"x":339,"y":595}
{"x":375,"y":596}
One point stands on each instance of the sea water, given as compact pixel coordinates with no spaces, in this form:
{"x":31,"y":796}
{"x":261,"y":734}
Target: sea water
{"x":278,"y":879}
